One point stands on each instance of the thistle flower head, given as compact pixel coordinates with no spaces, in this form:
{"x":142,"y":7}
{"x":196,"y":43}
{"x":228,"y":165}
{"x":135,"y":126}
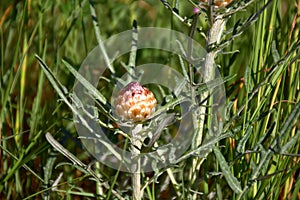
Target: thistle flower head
{"x":219,"y":3}
{"x":135,"y":102}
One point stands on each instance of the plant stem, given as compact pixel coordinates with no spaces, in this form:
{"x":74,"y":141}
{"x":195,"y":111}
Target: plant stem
{"x":136,"y":144}
{"x":99,"y":189}
{"x":213,"y":38}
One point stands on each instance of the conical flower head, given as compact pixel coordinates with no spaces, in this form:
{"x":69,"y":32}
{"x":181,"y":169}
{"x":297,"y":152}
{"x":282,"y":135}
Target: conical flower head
{"x":135,"y":102}
{"x":219,"y":3}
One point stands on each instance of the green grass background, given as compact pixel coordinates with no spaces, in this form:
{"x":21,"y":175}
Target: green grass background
{"x":262,"y":154}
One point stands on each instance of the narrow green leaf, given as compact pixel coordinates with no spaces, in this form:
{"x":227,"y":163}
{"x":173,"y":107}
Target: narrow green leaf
{"x":290,"y":143}
{"x":86,"y":83}
{"x":248,"y":80}
{"x":205,"y":148}
{"x":59,"y":88}
{"x":242,"y":142}
{"x":291,"y":120}
{"x":36,"y":106}
{"x":48,"y":168}
{"x":134,"y":46}
{"x":263,"y":163}
{"x":232,"y":181}
{"x":265,"y":136}
{"x":99,"y":39}
{"x":183,"y":68}
{"x":295,"y":194}
{"x":275,"y":53}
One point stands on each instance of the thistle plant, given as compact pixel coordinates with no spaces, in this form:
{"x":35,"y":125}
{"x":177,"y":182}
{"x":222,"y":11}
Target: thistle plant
{"x":135,"y":103}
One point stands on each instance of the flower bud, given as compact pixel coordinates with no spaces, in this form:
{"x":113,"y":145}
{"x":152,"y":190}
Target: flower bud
{"x":219,"y":3}
{"x":135,"y":102}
